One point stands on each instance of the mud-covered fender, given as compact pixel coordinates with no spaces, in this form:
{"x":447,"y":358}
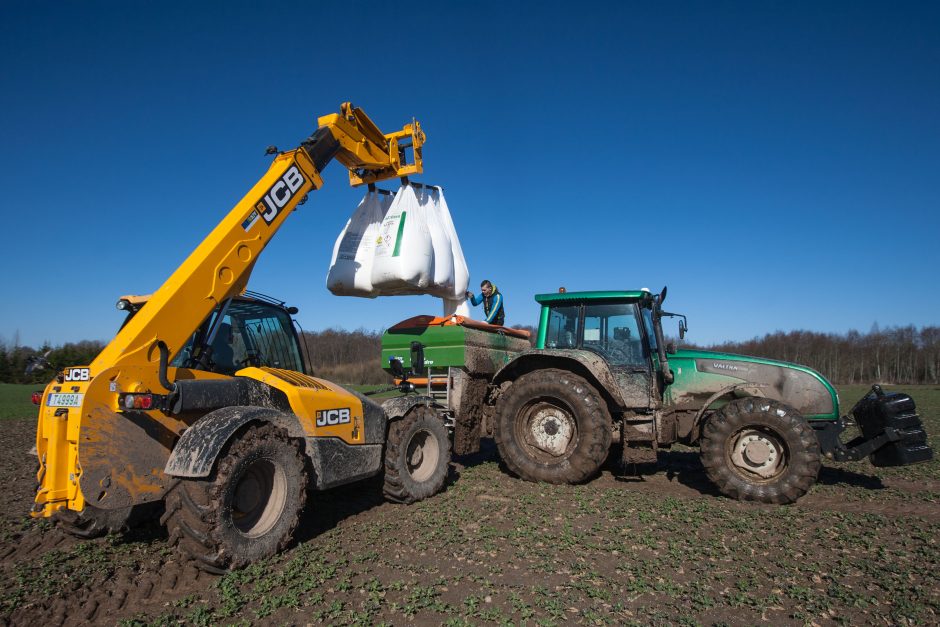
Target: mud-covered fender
{"x":197,"y":449}
{"x":589,"y":365}
{"x":739,"y":390}
{"x":397,"y":407}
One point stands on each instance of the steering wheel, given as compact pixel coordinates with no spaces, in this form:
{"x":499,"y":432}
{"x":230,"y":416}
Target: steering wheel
{"x":253,"y":358}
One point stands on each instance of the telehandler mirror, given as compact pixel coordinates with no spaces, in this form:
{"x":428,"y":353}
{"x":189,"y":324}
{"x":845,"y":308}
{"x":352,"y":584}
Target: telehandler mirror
{"x":37,"y":363}
{"x":398,"y":371}
{"x":682,"y":329}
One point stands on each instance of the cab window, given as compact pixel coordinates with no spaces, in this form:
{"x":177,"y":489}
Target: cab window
{"x":612,"y":331}
{"x":562,"y":327}
{"x":249,"y":334}
{"x":648,"y":323}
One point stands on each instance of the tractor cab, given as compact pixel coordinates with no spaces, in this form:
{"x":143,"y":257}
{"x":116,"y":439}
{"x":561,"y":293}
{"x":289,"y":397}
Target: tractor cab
{"x":624,"y":328}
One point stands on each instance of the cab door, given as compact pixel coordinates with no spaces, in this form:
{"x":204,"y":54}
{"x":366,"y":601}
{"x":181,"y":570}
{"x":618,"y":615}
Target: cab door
{"x":613,"y":330}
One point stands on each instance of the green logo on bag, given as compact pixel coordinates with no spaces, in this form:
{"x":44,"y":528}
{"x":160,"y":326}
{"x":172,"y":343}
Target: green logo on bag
{"x":401,"y":229}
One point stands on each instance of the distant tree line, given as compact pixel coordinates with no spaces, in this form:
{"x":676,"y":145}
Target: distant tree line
{"x":14,"y":359}
{"x":344,"y":356}
{"x":893,"y":355}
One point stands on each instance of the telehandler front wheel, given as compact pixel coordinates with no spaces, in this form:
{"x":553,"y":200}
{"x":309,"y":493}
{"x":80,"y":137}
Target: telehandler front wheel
{"x":247,"y":509}
{"x":417,"y":456}
{"x":93,"y":522}
{"x":758,"y":449}
{"x":552,"y":426}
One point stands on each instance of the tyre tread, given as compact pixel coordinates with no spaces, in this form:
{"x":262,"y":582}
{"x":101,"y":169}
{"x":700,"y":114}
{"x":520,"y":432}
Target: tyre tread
{"x":804,"y":454}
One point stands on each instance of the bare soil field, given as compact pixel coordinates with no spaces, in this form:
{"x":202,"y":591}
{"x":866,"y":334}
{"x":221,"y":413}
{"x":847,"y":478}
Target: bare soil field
{"x":660,"y":547}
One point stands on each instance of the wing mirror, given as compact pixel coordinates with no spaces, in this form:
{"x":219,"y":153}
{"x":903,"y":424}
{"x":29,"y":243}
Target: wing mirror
{"x":398,"y":371}
{"x":39,"y":362}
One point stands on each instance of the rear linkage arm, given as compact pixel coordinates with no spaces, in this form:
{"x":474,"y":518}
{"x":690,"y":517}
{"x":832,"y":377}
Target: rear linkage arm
{"x":858,"y":448}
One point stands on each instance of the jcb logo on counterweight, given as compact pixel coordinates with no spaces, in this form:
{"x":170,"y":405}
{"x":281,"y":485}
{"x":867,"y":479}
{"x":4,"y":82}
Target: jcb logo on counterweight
{"x":332,"y":417}
{"x":281,"y":192}
{"x":77,"y":374}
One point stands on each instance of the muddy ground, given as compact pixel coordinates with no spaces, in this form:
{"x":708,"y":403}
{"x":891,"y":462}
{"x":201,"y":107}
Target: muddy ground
{"x":660,"y":548}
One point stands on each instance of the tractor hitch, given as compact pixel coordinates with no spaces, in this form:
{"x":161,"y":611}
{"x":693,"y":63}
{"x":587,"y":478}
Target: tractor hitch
{"x":892,"y":432}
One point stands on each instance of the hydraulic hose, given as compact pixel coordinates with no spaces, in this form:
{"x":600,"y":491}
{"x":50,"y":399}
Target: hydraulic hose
{"x":164,"y":360}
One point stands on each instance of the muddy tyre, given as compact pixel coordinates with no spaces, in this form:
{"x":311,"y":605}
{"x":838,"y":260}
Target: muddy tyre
{"x":552,"y":426}
{"x":247,"y":508}
{"x":93,"y":522}
{"x":417,"y":456}
{"x":757,"y":449}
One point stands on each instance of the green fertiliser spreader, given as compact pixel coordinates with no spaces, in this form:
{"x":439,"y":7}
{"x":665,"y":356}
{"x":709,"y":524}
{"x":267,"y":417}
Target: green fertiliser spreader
{"x":602,"y":378}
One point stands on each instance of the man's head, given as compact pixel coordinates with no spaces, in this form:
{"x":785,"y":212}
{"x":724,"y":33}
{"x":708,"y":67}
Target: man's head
{"x":486,"y":287}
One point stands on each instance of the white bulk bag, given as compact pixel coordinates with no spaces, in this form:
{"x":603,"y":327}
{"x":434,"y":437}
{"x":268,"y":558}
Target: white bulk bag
{"x":442,"y":276}
{"x":461,"y":271}
{"x":350,"y":271}
{"x":404,"y":254}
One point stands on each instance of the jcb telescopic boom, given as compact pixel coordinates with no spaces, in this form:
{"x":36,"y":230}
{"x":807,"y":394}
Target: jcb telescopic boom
{"x":108,"y":432}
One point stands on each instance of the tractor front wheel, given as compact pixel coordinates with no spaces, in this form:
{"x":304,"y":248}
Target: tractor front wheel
{"x":552,"y":426}
{"x":758,"y":449}
{"x":247,"y":509}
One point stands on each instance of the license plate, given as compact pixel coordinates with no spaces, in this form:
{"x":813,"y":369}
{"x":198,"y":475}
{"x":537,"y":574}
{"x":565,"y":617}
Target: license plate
{"x":64,"y":400}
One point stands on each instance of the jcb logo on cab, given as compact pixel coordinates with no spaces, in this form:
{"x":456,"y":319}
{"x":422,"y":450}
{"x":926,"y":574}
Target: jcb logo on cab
{"x":282,"y":191}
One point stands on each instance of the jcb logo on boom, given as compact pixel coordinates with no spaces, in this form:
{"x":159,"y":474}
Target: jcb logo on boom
{"x":281,"y":192}
{"x":77,"y":374}
{"x":329,"y":417}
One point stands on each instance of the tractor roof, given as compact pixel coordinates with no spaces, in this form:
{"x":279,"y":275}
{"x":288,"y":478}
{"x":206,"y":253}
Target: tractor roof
{"x":567,"y":297}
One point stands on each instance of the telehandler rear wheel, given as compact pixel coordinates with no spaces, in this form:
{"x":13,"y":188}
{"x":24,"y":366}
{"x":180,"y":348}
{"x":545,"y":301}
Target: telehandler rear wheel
{"x":417,"y":456}
{"x":757,"y":449}
{"x":552,"y":426}
{"x":247,"y":509}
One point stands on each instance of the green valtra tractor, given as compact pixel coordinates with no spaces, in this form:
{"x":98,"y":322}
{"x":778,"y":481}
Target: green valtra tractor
{"x":601,"y":374}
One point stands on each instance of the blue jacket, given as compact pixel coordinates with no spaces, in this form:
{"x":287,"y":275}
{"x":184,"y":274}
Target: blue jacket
{"x":492,"y":306}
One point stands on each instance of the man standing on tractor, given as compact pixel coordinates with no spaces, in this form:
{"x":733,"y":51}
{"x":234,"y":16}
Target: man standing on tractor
{"x":492,"y":303}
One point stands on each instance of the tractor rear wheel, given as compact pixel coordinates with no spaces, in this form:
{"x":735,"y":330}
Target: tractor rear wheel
{"x":758,"y":449}
{"x":247,"y":508}
{"x":552,"y":426}
{"x":417,"y":456}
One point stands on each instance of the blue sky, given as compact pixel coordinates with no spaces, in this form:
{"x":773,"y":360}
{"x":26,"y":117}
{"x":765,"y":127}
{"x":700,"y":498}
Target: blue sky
{"x":777,"y":165}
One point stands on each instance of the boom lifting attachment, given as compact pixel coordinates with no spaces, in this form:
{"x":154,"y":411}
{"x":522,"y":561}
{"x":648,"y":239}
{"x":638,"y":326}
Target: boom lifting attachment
{"x":80,"y":445}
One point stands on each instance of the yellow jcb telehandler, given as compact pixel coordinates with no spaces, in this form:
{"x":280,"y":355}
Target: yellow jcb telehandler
{"x":201,"y":400}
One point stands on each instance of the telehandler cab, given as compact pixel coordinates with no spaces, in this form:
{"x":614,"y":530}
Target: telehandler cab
{"x":202,"y":401}
{"x":602,"y":373}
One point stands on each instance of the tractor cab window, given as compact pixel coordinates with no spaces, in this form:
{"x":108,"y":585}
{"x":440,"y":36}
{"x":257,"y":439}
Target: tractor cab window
{"x":249,"y":334}
{"x":611,"y":330}
{"x":562,"y":327}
